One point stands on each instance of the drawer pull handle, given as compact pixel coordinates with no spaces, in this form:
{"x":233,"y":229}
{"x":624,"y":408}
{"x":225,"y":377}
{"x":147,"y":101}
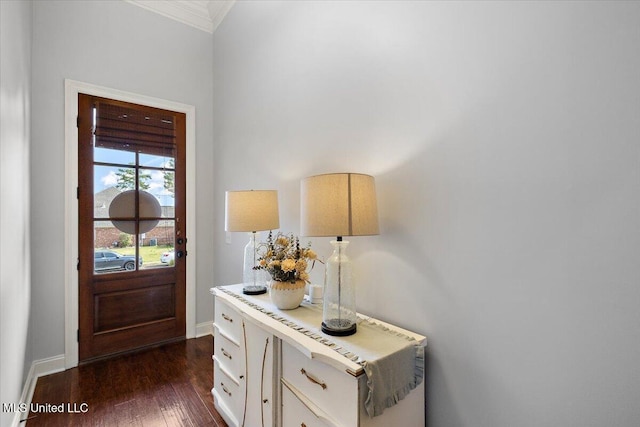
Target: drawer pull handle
{"x":225,"y":353}
{"x":312,"y":379}
{"x":225,"y":389}
{"x":303,"y":425}
{"x":227,"y":318}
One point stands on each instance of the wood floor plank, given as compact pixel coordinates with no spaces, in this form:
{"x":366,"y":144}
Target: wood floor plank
{"x":170,"y":408}
{"x":164,"y":386}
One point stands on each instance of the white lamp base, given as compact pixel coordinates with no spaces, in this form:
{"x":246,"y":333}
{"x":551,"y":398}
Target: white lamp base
{"x":254,"y":281}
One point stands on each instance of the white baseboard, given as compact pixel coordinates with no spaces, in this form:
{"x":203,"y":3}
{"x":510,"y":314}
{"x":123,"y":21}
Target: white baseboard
{"x":203,"y":329}
{"x":39,"y":368}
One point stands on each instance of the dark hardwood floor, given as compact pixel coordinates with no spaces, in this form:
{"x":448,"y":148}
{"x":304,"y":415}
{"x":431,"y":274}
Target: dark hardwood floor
{"x":164,"y":386}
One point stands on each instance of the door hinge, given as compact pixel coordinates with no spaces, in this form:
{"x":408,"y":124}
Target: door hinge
{"x":78,"y":193}
{"x":77,"y":121}
{"x":78,"y":335}
{"x":78,"y":264}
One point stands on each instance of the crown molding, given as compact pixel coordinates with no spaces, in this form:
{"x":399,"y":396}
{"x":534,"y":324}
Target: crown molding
{"x":218,"y":9}
{"x":204,"y":15}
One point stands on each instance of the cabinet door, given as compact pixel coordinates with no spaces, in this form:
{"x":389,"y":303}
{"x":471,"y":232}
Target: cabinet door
{"x":332,"y":391}
{"x":259,"y":377}
{"x":296,"y":414}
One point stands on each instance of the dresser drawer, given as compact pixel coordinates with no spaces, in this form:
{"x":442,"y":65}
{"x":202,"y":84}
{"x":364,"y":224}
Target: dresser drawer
{"x":227,"y":392}
{"x":331,"y":390}
{"x":296,"y":414}
{"x":228,"y":353}
{"x":228,"y":320}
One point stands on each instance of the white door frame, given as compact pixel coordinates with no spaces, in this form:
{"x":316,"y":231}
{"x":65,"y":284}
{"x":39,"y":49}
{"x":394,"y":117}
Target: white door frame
{"x":71,"y":90}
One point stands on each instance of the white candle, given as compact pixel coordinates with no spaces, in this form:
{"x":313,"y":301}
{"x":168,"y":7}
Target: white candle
{"x":315,"y":294}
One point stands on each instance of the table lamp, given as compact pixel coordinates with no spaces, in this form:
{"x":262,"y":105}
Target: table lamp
{"x":251,"y":211}
{"x":338,"y":204}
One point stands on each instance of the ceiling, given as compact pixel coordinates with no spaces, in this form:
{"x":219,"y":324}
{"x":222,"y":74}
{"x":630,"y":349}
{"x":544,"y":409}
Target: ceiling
{"x":205,"y":15}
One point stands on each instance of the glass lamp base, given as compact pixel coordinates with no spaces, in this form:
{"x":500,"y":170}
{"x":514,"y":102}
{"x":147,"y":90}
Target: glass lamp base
{"x":254,"y":290}
{"x":339,"y":327}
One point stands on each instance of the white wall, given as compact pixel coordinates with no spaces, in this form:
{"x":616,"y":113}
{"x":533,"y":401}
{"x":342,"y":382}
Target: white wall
{"x":15,"y":104}
{"x":505,"y":140}
{"x":120,"y":46}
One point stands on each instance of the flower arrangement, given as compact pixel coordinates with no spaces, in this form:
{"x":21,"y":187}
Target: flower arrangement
{"x":284,"y":259}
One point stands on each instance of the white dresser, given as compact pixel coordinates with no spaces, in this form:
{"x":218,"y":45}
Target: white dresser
{"x":276,"y":368}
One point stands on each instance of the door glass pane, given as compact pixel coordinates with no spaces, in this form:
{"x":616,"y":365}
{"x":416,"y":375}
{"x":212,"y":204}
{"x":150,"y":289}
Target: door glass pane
{"x":157,"y":245}
{"x":168,"y":194}
{"x":108,"y":182}
{"x":165,"y":161}
{"x":159,"y":183}
{"x":168,"y":211}
{"x":110,"y":155}
{"x":114,"y":250}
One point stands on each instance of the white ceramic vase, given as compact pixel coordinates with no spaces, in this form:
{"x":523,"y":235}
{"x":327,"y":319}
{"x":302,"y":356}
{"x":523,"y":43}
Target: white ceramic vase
{"x":286,"y":295}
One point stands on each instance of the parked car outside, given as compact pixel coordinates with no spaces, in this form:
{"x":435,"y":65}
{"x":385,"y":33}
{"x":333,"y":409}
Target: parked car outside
{"x":168,"y":257}
{"x":109,"y":260}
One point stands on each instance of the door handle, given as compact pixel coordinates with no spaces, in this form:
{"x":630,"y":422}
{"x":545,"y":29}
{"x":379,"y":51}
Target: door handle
{"x":313,"y":379}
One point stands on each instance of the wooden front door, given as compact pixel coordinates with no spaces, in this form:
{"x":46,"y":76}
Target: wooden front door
{"x":132,"y":229}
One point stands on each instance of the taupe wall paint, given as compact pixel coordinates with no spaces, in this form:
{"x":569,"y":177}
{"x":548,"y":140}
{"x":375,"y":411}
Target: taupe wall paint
{"x":505,"y":140}
{"x":117,"y":45}
{"x":15,"y":119}
{"x":503,"y":136}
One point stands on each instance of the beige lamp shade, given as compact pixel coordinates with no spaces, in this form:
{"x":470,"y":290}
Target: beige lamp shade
{"x":338,"y":204}
{"x":251,"y":210}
